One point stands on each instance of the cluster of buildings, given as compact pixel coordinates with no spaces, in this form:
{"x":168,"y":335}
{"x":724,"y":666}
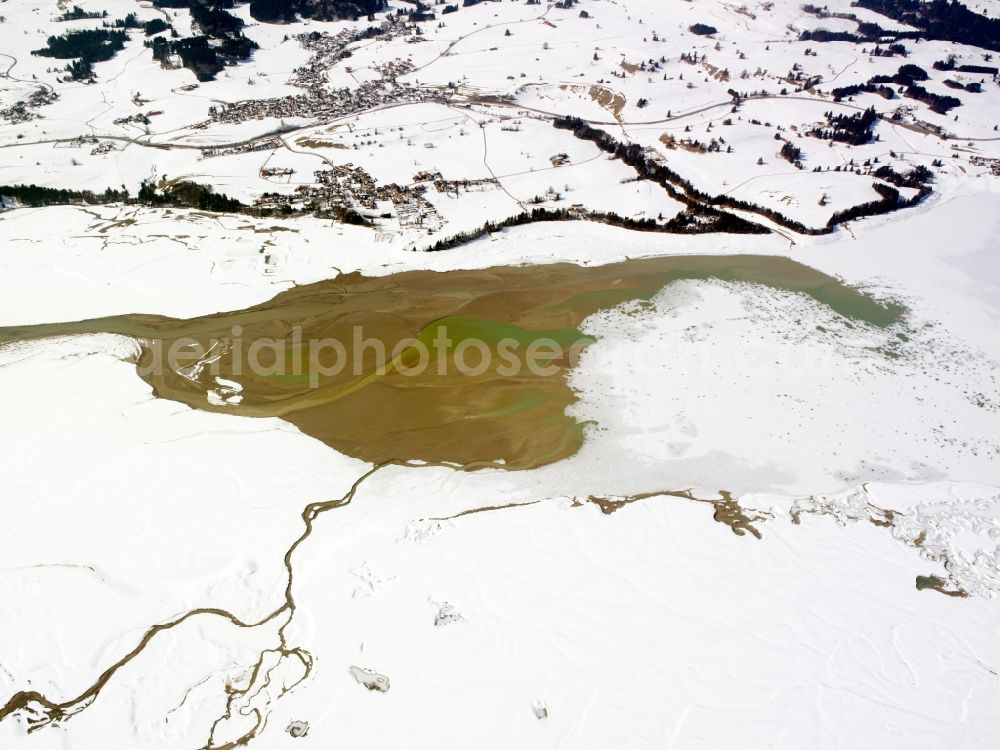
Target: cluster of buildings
{"x":453,"y":187}
{"x":261,"y":144}
{"x":21,"y":111}
{"x":319,"y":101}
{"x":982,"y":161}
{"x":349,"y":188}
{"x":102,"y":148}
{"x":355,"y":187}
{"x":139,"y":118}
{"x":323,"y":104}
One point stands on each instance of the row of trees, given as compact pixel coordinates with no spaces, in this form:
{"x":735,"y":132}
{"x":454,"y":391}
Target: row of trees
{"x":890,"y":201}
{"x":918,"y":177}
{"x":845,"y":92}
{"x":183,"y":194}
{"x":76,"y":13}
{"x":697,"y":203}
{"x":283,"y":11}
{"x":825,"y":35}
{"x":947,"y":20}
{"x":35,"y":196}
{"x":682,"y":224}
{"x":939,"y":103}
{"x":951,"y":64}
{"x":907,"y":77}
{"x":700,"y":202}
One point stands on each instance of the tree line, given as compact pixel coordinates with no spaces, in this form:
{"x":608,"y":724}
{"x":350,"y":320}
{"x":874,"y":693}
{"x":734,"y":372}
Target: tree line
{"x":682,"y":224}
{"x":907,"y":77}
{"x":699,"y":201}
{"x":181,"y":194}
{"x":947,"y":20}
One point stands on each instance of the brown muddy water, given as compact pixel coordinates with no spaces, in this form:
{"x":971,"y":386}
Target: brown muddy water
{"x":311,"y":355}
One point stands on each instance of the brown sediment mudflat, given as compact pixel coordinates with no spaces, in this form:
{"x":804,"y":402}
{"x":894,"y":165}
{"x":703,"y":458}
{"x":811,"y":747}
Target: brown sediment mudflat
{"x":612,"y":101}
{"x":728,"y":511}
{"x":415,"y":403}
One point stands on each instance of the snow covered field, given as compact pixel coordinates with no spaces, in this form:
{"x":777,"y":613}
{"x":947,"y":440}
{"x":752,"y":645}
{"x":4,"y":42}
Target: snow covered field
{"x":783,"y":527}
{"x":823,"y":418}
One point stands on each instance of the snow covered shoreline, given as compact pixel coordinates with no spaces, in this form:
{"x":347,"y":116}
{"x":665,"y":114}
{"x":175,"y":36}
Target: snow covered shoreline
{"x":199,"y":509}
